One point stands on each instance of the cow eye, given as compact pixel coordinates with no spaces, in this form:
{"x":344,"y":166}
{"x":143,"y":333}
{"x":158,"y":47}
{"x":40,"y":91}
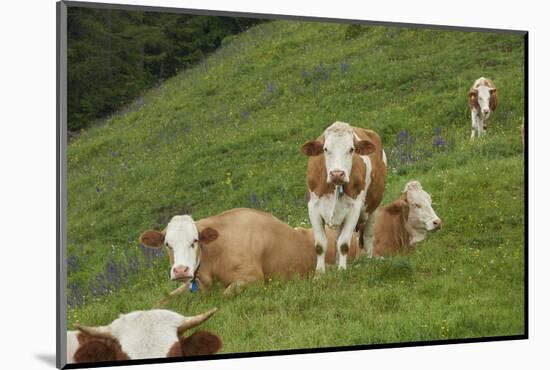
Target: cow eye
{"x":417,"y":205}
{"x":351,"y":150}
{"x":326,"y":150}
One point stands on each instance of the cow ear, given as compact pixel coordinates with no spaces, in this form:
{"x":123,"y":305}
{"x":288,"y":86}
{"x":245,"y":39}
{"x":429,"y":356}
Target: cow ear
{"x":152,"y":238}
{"x":200,"y":343}
{"x":397,"y":206}
{"x":95,"y":350}
{"x":472,"y":92}
{"x":208,"y":235}
{"x":312,"y":148}
{"x":364,"y":147}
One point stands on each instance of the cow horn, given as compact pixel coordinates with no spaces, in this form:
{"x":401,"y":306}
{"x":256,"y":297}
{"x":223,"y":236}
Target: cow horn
{"x":96,"y":331}
{"x":192,"y":321}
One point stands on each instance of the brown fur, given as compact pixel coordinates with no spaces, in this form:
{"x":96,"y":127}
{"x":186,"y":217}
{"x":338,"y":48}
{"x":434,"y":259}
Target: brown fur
{"x":175,"y":350}
{"x":472,"y":100}
{"x":152,"y":238}
{"x":390,"y":235}
{"x":200,"y":343}
{"x":493,"y":101}
{"x":377,"y":185}
{"x":208,"y":235}
{"x":252,"y":246}
{"x":312,"y":148}
{"x":96,"y":349}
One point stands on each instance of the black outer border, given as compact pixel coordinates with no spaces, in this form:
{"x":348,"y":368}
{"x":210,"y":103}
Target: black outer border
{"x":61,"y":172}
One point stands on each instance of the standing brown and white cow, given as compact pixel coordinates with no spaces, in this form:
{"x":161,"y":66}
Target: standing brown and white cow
{"x":404,"y":222}
{"x":346,"y":176}
{"x":483,"y":100}
{"x":142,"y":335}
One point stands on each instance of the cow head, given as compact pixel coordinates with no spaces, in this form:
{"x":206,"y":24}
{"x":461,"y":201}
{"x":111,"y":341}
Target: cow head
{"x":421,"y":216}
{"x":339,"y":148}
{"x":184,"y":243}
{"x":145,"y":334}
{"x":483,"y":98}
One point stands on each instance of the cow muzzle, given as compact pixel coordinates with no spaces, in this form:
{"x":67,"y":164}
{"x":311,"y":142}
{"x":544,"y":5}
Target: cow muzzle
{"x":337,"y":177}
{"x":436,"y":224}
{"x":181,"y":272}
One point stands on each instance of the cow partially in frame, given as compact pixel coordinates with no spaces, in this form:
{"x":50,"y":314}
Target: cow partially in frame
{"x":142,"y":335}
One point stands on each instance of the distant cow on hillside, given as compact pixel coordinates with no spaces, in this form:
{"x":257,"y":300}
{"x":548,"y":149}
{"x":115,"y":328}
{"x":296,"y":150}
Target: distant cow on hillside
{"x":483,"y":100}
{"x":141,"y":335}
{"x":346,"y":176}
{"x":405,"y":222}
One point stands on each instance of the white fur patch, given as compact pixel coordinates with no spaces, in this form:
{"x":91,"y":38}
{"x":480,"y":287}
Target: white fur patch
{"x":147,"y":334}
{"x":72,"y":345}
{"x":181,"y":234}
{"x":421,"y":214}
{"x":333,"y":209}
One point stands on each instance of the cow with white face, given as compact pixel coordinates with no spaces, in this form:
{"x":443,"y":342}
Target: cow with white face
{"x":184,"y":243}
{"x":483,"y":100}
{"x":142,"y":335}
{"x":346,"y":176}
{"x":237,"y":247}
{"x":405,"y":222}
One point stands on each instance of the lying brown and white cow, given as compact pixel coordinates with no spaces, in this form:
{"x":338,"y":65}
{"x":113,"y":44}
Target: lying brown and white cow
{"x":405,"y":222}
{"x":235,"y":247}
{"x":483,"y":100}
{"x":346,"y":176}
{"x":139,"y":335}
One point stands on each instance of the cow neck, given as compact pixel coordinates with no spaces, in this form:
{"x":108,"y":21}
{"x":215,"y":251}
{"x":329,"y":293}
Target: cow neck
{"x":398,"y":216}
{"x":404,"y":234}
{"x":414,"y":235}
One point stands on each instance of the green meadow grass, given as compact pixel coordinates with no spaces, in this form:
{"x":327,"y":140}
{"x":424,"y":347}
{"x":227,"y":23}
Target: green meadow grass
{"x":227,"y":133}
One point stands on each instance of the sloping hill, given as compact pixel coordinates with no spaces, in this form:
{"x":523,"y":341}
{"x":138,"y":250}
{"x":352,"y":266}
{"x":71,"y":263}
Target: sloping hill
{"x":227,"y":134}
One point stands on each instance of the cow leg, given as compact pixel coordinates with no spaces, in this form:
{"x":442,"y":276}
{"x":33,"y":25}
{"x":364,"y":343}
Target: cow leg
{"x":318,"y":226}
{"x":368,"y":234}
{"x":474,"y":125}
{"x":236,"y":286}
{"x":481,"y":126}
{"x":343,"y":240}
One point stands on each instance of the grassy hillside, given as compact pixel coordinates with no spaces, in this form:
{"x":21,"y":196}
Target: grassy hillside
{"x":227,"y":134}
